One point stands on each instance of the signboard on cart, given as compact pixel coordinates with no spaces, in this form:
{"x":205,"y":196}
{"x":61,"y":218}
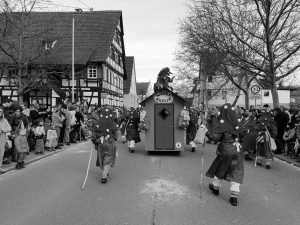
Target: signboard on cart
{"x":163,"y":97}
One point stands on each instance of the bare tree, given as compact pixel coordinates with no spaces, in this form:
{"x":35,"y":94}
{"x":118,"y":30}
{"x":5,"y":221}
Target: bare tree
{"x":193,"y":62}
{"x":204,"y":38}
{"x":267,"y":31}
{"x":252,"y":39}
{"x":24,"y":38}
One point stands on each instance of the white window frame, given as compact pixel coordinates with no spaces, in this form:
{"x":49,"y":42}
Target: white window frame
{"x":92,"y":72}
{"x":105,"y":71}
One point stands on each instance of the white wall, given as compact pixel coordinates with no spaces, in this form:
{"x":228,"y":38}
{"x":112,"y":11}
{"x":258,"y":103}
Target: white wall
{"x":130,"y":100}
{"x":284,"y":99}
{"x":217,"y":100}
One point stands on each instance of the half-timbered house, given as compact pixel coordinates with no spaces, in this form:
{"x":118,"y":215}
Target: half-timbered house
{"x":99,"y":59}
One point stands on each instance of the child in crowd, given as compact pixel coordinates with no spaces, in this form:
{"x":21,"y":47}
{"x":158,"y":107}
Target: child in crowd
{"x":31,"y":139}
{"x":21,"y":145}
{"x":39,"y":135}
{"x":51,"y":140}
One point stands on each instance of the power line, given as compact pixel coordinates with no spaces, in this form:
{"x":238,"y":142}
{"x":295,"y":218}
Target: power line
{"x":66,"y":6}
{"x":85,"y":4}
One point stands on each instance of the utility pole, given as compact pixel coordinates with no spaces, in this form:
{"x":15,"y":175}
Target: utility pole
{"x":73,"y":67}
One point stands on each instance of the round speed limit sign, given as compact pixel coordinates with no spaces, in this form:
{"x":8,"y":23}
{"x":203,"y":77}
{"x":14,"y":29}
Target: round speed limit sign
{"x":255,"y":89}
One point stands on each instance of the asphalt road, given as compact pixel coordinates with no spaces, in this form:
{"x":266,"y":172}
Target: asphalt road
{"x":144,"y":189}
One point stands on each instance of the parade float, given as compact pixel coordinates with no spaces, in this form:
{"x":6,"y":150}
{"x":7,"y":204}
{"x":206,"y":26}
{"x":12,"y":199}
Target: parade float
{"x":164,"y":118}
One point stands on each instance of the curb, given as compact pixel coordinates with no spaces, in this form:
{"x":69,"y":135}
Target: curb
{"x":288,"y":161}
{"x":11,"y":168}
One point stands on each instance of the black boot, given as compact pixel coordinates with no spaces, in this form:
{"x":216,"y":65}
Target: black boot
{"x":248,"y":158}
{"x":131,"y":150}
{"x":268,"y":167}
{"x":233,"y":201}
{"x":22,"y":164}
{"x":18,"y":166}
{"x":104,"y":180}
{"x":215,"y":191}
{"x":193,"y":149}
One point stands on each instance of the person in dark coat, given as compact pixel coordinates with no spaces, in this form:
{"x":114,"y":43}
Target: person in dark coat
{"x":249,"y":130}
{"x":104,"y":137}
{"x":212,"y":121}
{"x":228,"y":165}
{"x":282,"y":120}
{"x":192,"y":128}
{"x":268,"y":129}
{"x":131,"y":126}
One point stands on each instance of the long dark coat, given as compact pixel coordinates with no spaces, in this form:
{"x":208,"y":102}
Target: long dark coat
{"x":106,"y":153}
{"x":104,"y":125}
{"x":228,"y":164}
{"x":192,"y":128}
{"x":250,"y":131}
{"x":132,"y":129}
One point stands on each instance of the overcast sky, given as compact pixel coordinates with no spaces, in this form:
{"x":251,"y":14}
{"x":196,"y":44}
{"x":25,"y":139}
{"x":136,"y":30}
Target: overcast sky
{"x":150,"y":30}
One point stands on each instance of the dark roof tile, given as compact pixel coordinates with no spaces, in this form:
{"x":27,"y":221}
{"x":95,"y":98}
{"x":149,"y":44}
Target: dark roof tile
{"x":93,"y":36}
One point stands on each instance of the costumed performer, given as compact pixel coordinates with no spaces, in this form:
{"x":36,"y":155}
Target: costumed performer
{"x":228,"y":165}
{"x":104,"y":136}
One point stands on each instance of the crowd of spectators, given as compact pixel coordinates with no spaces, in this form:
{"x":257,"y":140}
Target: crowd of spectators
{"x":45,"y":130}
{"x":286,"y":131}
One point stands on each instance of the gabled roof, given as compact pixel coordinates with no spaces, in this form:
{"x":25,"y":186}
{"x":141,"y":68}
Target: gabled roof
{"x":129,"y":62}
{"x":94,"y":33}
{"x":142,"y":88}
{"x":182,"y":99}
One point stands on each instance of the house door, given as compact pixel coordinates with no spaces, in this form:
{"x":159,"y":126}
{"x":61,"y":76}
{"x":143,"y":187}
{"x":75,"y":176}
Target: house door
{"x":164,"y":126}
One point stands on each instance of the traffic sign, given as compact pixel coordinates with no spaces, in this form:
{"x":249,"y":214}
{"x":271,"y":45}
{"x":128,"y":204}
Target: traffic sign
{"x":255,"y":96}
{"x":255,"y":89}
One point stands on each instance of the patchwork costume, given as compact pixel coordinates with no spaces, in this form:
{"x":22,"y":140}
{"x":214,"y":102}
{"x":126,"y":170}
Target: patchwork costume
{"x":228,"y":165}
{"x":104,"y":136}
{"x":268,"y":130}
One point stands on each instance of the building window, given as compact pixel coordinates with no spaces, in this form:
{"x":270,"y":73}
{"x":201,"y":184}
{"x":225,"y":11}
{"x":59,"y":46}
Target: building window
{"x":210,"y":79}
{"x":209,"y":93}
{"x":104,"y":73}
{"x":108,"y":76}
{"x":224,"y":94}
{"x":92,"y":72}
{"x":266,"y":93}
{"x":49,"y":44}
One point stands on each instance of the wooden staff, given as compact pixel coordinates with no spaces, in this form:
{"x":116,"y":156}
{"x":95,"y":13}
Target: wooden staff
{"x":200,"y":139}
{"x":201,"y":173}
{"x":88,"y":168}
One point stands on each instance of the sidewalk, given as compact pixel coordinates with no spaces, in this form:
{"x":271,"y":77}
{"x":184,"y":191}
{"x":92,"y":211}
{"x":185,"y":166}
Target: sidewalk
{"x":32,"y":157}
